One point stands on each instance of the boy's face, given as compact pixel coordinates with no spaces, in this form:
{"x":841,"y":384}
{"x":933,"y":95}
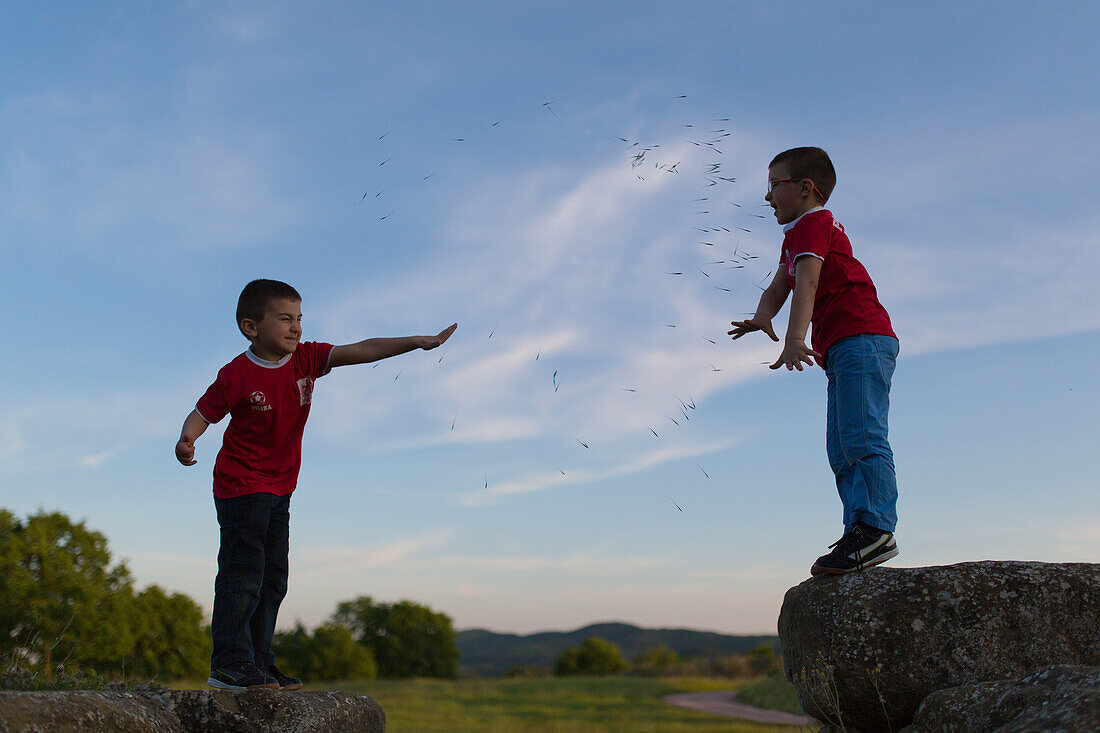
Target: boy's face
{"x":278,"y":332}
{"x":789,"y":197}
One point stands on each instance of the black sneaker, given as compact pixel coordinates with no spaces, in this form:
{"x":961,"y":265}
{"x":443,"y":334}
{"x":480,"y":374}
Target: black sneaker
{"x":285,"y":682}
{"x":862,"y":547}
{"x":241,"y":676}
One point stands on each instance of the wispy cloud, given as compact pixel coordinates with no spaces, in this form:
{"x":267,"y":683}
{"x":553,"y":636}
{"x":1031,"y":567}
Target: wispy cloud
{"x":345,"y":559}
{"x":635,"y":464}
{"x":570,"y":317}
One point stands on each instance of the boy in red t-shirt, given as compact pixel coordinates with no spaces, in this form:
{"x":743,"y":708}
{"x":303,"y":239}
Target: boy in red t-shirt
{"x":852,"y":339}
{"x":267,"y":392}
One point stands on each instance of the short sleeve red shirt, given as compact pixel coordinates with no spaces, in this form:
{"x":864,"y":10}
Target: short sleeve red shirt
{"x":846,"y":302}
{"x":268,"y":404}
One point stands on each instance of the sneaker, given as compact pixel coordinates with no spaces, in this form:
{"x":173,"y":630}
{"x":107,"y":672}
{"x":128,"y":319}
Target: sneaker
{"x":241,"y":676}
{"x":285,"y":681}
{"x":863,"y":546}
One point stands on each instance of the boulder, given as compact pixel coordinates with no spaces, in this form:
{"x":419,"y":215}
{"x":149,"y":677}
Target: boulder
{"x":271,"y":711}
{"x":864,"y":649}
{"x":189,"y":711}
{"x":1062,"y":698}
{"x":83,"y":712}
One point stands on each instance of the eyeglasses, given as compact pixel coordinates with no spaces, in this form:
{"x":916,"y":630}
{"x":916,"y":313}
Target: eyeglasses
{"x":772,"y":184}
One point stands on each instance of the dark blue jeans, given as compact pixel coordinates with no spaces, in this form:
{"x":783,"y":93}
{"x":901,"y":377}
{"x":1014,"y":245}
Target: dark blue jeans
{"x":860,"y":369}
{"x":252,"y":571}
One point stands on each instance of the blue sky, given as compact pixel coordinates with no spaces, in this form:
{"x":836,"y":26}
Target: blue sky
{"x":407,"y":165}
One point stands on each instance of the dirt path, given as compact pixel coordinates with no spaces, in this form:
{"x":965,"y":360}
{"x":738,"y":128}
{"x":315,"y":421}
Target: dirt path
{"x":725,"y":703}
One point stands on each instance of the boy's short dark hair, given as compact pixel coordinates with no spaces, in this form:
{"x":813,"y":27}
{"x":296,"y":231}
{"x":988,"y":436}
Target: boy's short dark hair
{"x":257,"y":294}
{"x":812,"y":163}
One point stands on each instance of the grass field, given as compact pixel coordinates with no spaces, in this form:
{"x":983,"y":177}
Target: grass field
{"x":545,"y":705}
{"x":771,"y":693}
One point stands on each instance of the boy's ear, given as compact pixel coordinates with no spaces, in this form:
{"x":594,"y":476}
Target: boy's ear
{"x":248,"y":328}
{"x":809,"y":190}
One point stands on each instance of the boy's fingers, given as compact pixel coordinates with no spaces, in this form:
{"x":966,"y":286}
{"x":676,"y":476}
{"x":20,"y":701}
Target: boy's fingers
{"x":446,"y":333}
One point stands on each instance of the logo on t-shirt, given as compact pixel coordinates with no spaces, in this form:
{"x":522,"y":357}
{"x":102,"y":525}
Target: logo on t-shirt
{"x":305,"y":390}
{"x":258,"y":401}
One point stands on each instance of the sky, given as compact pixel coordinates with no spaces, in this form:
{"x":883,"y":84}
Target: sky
{"x":580,"y":186}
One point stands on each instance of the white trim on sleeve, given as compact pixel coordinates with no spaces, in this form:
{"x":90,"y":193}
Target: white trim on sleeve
{"x":808,"y":254}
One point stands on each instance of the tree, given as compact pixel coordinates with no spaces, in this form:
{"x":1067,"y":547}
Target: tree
{"x":60,"y":601}
{"x":169,"y":638}
{"x":330,"y":653}
{"x":407,"y":639}
{"x":596,"y":657}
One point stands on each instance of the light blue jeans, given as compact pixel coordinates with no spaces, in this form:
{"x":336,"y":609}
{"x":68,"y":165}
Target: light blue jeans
{"x":859,"y":369}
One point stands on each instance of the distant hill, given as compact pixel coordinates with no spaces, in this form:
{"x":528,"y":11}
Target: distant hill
{"x":490,"y":654}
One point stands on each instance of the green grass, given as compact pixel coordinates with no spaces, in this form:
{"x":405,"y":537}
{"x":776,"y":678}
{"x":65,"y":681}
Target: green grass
{"x":773,"y":693}
{"x":545,"y":705}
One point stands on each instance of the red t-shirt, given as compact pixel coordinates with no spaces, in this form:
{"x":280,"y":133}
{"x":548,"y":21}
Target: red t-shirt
{"x":268,"y":403}
{"x":846,"y":302}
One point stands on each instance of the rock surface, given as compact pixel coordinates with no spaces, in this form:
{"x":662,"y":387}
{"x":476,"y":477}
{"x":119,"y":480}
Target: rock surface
{"x":77,"y":712}
{"x":865,"y":649}
{"x":1061,"y":698}
{"x":189,"y":711}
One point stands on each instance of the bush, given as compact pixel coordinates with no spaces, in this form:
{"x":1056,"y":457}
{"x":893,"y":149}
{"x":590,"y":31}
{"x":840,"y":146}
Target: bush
{"x":763,"y":660}
{"x":660,"y":660}
{"x":595,"y":657}
{"x":330,"y":653}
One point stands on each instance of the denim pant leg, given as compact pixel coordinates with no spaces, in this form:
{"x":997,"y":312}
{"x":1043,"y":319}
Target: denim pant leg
{"x":273,"y":589}
{"x":244,"y":524}
{"x":860,"y":369}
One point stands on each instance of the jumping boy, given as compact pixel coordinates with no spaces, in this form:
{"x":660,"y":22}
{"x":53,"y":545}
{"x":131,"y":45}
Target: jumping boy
{"x":852,"y":339}
{"x":267,"y":392}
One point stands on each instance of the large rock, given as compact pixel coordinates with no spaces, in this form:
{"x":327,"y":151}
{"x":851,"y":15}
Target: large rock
{"x":83,"y":712}
{"x":270,"y":711}
{"x":189,"y":711}
{"x":1060,"y":698}
{"x":863,"y":650}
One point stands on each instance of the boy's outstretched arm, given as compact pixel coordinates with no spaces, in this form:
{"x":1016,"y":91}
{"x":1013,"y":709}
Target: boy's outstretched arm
{"x":771,"y":300}
{"x":194,"y":426}
{"x":383,"y":348}
{"x":807,"y":269}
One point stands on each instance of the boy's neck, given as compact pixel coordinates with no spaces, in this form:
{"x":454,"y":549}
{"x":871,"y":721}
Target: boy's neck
{"x":262,"y":355}
{"x":816,"y":207}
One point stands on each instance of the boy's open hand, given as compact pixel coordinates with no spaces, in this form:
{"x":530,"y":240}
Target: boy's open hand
{"x":743,"y":327}
{"x":795,"y":354}
{"x":185,"y":451}
{"x":430,"y":342}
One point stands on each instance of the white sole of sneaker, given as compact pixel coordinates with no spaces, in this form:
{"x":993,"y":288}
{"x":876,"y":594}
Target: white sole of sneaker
{"x":819,"y":570}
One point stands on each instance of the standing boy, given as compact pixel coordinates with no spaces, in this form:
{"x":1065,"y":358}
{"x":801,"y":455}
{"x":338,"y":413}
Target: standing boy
{"x":267,"y":392}
{"x":852,"y":339}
